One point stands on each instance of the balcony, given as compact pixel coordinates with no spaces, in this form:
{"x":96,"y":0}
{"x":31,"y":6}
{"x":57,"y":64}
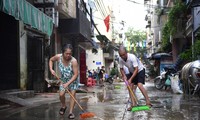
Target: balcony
{"x":76,"y":29}
{"x":188,"y":30}
{"x":67,"y":9}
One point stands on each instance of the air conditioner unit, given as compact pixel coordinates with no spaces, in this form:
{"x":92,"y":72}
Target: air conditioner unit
{"x":50,"y":11}
{"x":38,"y":1}
{"x":41,"y":9}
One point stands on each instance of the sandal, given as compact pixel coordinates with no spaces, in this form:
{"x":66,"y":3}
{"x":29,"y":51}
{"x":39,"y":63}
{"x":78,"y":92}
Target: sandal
{"x":71,"y":116}
{"x":130,"y":108}
{"x":62,"y":110}
{"x":149,"y":105}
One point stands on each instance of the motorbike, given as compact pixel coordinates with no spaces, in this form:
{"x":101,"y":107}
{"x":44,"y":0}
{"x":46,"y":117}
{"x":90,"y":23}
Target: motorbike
{"x":164,"y":79}
{"x":110,"y":79}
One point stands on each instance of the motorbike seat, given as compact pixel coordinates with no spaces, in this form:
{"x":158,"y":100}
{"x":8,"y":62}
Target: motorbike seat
{"x":170,"y":69}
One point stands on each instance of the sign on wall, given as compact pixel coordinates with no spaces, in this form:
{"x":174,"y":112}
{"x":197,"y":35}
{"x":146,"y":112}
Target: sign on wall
{"x":98,"y":63}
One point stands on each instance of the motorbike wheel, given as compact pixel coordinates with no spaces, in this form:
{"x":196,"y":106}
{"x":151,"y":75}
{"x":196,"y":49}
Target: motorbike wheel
{"x":159,"y":84}
{"x":110,"y":80}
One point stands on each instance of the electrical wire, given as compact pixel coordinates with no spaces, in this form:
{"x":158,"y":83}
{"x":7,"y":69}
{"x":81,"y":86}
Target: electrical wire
{"x":104,"y":8}
{"x":92,"y":21}
{"x":97,"y":1}
{"x":150,"y":5}
{"x":100,"y":10}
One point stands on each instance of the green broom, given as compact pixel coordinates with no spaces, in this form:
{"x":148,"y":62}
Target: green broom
{"x":136,"y":108}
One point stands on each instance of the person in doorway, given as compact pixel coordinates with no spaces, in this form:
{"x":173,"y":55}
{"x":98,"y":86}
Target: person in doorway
{"x":137,"y":73}
{"x":68,"y":67}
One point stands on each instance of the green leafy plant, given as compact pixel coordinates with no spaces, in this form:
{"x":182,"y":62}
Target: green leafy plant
{"x":114,"y":71}
{"x":171,"y":25}
{"x":159,"y":13}
{"x":187,"y":54}
{"x":135,"y":37}
{"x":174,"y":15}
{"x":166,"y":45}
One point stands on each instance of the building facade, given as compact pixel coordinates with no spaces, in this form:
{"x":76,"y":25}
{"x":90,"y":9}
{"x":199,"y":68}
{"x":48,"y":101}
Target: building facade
{"x":183,"y":32}
{"x":35,"y":30}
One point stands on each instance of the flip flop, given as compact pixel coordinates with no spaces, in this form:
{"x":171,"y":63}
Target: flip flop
{"x":62,"y":110}
{"x":150,"y":105}
{"x":71,"y":116}
{"x":130,"y":108}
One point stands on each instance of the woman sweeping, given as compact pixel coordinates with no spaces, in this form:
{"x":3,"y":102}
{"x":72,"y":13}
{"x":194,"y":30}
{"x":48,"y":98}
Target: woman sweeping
{"x":68,"y":67}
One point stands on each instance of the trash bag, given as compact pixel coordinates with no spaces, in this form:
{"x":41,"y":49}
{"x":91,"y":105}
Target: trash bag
{"x":175,"y":85}
{"x":168,"y":82}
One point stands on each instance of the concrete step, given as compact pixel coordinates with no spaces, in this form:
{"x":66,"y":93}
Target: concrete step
{"x":7,"y":91}
{"x":4,"y":107}
{"x":15,"y":97}
{"x":22,"y":94}
{"x":7,"y":104}
{"x":13,"y":100}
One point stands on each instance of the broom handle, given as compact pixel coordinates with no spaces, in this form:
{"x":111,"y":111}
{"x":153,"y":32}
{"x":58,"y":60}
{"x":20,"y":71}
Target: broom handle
{"x":71,"y":95}
{"x":131,"y":91}
{"x":75,"y":99}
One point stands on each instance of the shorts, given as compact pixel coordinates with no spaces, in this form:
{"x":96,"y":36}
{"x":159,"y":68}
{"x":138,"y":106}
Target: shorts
{"x":139,"y":78}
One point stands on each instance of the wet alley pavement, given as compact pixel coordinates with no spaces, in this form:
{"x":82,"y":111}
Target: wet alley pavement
{"x":110,"y":103}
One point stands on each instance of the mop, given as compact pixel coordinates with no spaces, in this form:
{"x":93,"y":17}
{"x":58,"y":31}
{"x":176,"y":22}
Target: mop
{"x":84,"y":114}
{"x":136,"y":108}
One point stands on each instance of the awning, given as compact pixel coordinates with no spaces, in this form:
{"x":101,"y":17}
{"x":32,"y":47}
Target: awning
{"x":26,"y":12}
{"x":157,"y":56}
{"x":102,"y":38}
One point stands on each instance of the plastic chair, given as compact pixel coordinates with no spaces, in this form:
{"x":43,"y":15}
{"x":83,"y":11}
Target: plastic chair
{"x":89,"y":81}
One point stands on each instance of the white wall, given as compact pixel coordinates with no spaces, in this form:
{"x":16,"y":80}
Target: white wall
{"x":92,"y":59}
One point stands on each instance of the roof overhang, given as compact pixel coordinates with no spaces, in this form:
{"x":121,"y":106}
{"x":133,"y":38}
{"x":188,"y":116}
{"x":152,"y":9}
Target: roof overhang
{"x":158,"y":56}
{"x":26,"y":12}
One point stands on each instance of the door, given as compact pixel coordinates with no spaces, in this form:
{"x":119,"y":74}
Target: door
{"x":35,"y":64}
{"x":82,"y":67}
{"x":9,"y":51}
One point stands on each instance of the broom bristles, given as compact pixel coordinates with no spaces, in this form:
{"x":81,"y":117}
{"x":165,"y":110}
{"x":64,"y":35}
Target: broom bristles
{"x":140,"y":108}
{"x":87,"y":115}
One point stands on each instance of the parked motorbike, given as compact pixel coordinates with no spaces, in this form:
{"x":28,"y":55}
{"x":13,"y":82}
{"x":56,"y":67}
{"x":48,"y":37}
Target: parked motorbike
{"x":110,"y":79}
{"x":164,"y":78}
{"x":146,"y":75}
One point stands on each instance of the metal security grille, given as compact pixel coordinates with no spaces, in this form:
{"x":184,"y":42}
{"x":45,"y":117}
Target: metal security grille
{"x":35,"y":56}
